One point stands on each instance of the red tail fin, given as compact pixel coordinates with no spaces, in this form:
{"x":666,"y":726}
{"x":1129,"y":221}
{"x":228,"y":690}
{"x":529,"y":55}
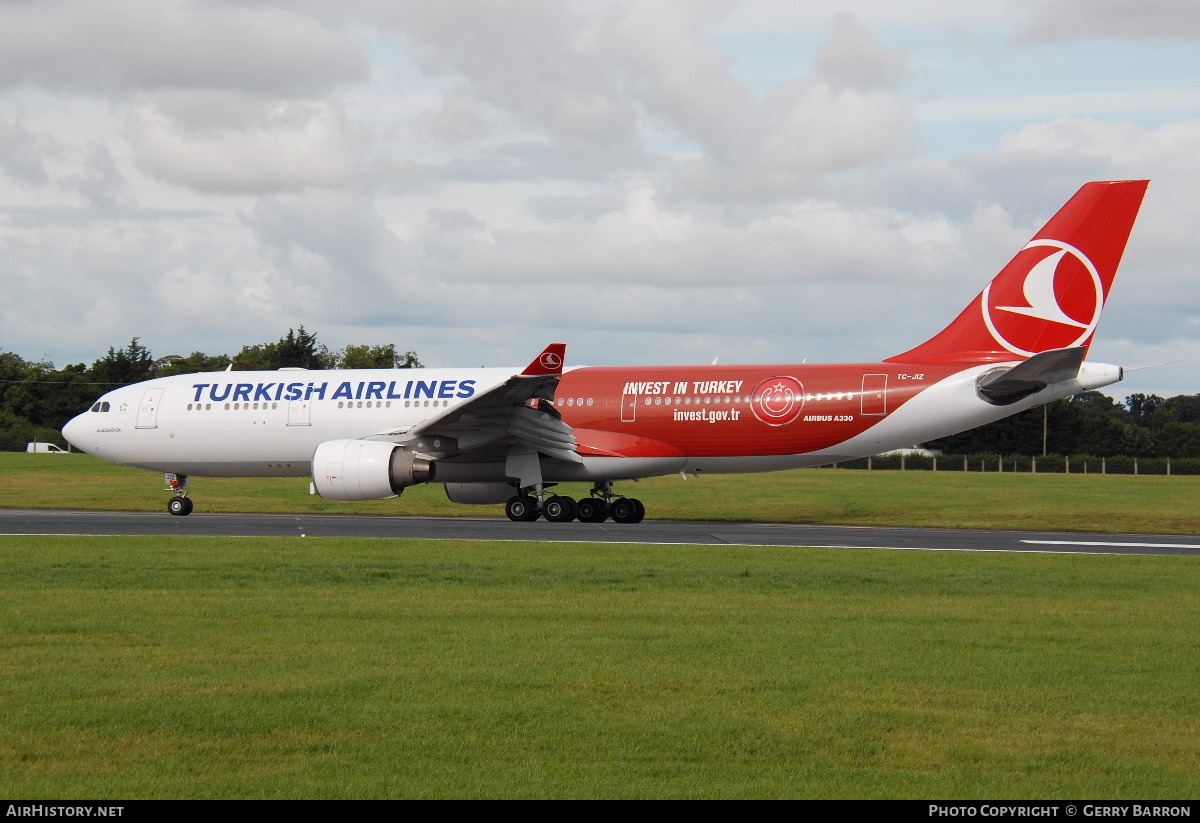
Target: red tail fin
{"x":1050,"y":295}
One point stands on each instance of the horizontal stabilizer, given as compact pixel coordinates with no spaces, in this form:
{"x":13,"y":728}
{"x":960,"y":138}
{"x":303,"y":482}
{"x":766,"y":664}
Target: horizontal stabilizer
{"x":1000,"y":388}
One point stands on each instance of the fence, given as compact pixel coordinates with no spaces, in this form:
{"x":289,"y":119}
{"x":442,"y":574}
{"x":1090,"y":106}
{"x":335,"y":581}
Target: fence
{"x":1050,"y":464}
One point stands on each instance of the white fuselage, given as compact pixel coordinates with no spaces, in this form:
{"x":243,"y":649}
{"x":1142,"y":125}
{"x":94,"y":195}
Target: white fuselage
{"x":264,"y":424}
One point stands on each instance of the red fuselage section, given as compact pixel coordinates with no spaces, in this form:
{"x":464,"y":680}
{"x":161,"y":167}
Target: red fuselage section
{"x":715,"y":411}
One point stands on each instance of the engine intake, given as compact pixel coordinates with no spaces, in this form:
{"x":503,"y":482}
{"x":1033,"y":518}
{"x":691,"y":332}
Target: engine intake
{"x":367,"y":469}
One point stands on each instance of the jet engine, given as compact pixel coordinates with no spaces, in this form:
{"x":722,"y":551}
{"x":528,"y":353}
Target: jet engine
{"x":367,"y":469}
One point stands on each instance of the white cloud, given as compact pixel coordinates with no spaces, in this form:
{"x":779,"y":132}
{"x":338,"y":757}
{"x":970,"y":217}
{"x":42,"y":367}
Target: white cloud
{"x":1128,"y":149}
{"x":1051,"y":20}
{"x":1040,"y":104}
{"x":853,"y":59}
{"x":215,"y":141}
{"x":80,"y":45}
{"x":597,"y":86}
{"x":22,"y":150}
{"x":544,"y":64}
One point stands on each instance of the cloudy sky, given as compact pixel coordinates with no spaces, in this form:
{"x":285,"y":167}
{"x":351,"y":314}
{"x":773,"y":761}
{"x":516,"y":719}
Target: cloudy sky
{"x":648,"y":181}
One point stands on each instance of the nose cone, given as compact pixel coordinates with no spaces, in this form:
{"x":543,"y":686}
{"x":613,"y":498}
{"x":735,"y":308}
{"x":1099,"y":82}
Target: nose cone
{"x":75,"y":433}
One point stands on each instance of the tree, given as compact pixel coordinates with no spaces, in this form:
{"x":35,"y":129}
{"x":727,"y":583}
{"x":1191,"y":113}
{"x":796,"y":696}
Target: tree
{"x":301,"y":349}
{"x":1183,"y":408}
{"x":194,"y":362}
{"x":1088,"y":423}
{"x":131,"y":364}
{"x":296,"y":349}
{"x":16,"y":432}
{"x":1177,"y":439}
{"x":36,"y":399}
{"x":375,"y":357}
{"x":51,"y":398}
{"x":13,"y":369}
{"x":1141,"y":408}
{"x":1018,"y":434}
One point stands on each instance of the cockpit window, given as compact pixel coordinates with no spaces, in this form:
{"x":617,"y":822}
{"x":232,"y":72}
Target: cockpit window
{"x":101,"y":406}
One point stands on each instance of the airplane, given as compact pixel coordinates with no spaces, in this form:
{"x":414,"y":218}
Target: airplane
{"x":494,"y":435}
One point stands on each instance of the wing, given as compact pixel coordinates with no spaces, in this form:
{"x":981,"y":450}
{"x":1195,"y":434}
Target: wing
{"x":520,"y":411}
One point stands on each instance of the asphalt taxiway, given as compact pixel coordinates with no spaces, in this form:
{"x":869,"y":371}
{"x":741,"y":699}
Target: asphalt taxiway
{"x":660,"y":532}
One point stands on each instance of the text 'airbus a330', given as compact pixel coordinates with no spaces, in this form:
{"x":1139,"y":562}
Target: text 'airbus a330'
{"x":506,"y":436}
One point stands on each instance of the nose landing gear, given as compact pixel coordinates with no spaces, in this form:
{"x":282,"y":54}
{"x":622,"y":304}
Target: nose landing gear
{"x":180,"y":505}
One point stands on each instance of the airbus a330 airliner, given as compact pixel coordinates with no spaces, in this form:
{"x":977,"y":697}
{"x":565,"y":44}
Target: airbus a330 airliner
{"x":501,"y":435}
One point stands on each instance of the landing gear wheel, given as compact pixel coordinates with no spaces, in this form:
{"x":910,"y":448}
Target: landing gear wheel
{"x":559,"y":509}
{"x":592,"y":510}
{"x":628,"y":510}
{"x":521,"y":508}
{"x":180,"y":506}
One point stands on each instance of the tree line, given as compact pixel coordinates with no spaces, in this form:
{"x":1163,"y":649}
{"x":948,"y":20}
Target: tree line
{"x":1144,"y":425}
{"x":37,"y":399}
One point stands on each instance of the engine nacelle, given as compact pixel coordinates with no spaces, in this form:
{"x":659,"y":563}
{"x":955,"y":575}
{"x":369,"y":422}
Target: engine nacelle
{"x":367,"y":469}
{"x":479,"y":493}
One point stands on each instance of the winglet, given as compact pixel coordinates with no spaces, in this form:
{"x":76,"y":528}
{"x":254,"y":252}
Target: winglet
{"x":549,"y":362}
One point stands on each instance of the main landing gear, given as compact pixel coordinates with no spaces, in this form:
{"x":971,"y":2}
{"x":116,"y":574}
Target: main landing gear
{"x":180,"y":505}
{"x":598,"y":507}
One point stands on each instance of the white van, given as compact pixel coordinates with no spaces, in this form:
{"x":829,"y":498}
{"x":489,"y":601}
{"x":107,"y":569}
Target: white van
{"x":44,"y":448}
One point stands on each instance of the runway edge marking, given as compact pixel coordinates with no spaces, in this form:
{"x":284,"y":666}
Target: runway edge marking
{"x":1111,"y":543}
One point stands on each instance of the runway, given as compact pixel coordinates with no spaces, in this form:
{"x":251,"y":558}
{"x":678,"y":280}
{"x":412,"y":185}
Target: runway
{"x":658,"y":532}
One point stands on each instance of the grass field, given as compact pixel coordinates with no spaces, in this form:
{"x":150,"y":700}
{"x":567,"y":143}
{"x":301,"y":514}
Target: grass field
{"x":1112,"y":503}
{"x":236,"y":668}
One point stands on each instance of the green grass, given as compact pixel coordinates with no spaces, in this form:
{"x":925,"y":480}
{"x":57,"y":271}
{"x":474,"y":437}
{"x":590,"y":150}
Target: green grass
{"x":235,"y":668}
{"x":1112,"y":503}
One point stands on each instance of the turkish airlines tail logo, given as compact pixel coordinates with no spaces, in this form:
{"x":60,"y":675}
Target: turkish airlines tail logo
{"x":1051,"y":300}
{"x":1051,"y":294}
